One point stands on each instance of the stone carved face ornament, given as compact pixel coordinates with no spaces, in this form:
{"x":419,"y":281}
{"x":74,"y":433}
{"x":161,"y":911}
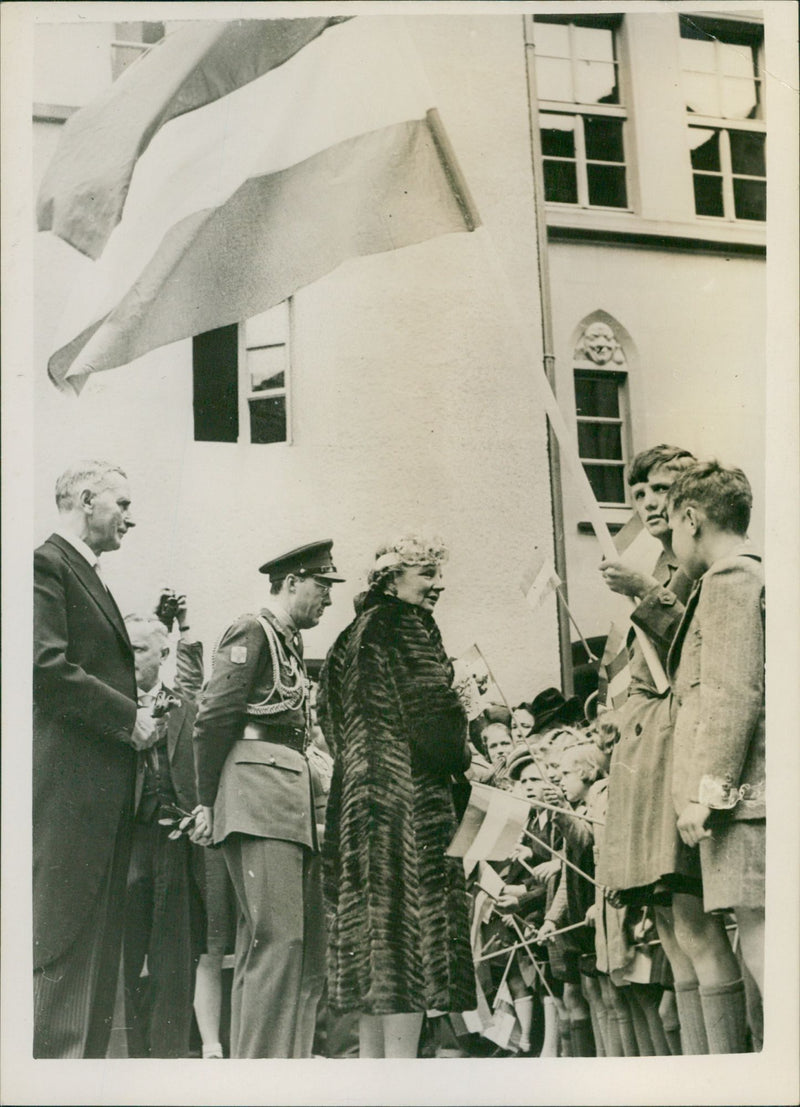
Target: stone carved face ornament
{"x":599,"y":344}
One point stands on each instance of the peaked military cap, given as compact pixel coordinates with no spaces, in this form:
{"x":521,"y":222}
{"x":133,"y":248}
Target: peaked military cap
{"x":313,"y":560}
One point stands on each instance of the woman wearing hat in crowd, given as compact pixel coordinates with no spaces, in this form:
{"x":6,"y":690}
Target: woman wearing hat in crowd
{"x":399,"y":940}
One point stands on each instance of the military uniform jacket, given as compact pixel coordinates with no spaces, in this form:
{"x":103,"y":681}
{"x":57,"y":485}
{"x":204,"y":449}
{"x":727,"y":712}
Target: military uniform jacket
{"x":259,"y":788}
{"x":716,"y":665}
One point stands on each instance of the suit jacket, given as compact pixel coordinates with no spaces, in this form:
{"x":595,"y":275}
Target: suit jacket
{"x":716,"y":665}
{"x":84,"y":711}
{"x":180,"y":749}
{"x":255,"y":787}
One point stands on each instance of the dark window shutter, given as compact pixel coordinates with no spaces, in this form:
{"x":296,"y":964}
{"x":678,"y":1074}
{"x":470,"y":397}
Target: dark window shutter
{"x":215,"y":357}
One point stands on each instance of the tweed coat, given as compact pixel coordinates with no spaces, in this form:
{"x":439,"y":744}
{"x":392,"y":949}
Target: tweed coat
{"x":642,"y":844}
{"x":717,"y":669}
{"x":399,"y":937}
{"x":84,"y":711}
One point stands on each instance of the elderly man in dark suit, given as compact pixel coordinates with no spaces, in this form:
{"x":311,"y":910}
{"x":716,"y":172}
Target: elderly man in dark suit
{"x":164,"y":908}
{"x":251,"y":736}
{"x":86,"y":730}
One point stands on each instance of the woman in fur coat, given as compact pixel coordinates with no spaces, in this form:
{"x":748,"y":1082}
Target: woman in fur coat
{"x":399,"y":936}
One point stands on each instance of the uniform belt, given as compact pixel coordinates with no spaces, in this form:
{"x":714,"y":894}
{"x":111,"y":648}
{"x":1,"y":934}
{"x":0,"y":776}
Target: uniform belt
{"x":281,"y":734}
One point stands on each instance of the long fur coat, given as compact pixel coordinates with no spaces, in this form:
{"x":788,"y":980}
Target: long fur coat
{"x":399,"y":939}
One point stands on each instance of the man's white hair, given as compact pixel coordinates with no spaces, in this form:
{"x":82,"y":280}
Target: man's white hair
{"x":84,"y":474}
{"x":151,"y":622}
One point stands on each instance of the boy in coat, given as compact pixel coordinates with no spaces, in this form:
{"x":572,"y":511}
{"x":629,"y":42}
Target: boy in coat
{"x":716,"y":665}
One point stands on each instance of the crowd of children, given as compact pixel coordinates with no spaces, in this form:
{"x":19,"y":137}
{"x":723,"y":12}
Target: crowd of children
{"x":628,"y":920}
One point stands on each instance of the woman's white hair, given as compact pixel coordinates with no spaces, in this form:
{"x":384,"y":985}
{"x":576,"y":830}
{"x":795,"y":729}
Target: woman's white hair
{"x":409,"y":550}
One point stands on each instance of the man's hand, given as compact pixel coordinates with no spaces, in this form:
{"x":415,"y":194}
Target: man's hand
{"x":590,"y":918}
{"x":621,"y":578}
{"x":692,"y":823}
{"x":203,"y":827}
{"x":145,"y":732}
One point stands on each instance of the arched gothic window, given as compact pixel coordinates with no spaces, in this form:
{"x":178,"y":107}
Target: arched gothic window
{"x":602,"y":406}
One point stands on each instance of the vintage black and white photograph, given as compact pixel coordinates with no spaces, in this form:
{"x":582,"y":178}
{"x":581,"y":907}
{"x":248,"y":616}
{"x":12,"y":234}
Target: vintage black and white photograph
{"x":405,"y":425}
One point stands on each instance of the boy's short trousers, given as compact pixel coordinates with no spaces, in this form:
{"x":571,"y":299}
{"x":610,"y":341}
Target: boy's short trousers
{"x":733,"y":860}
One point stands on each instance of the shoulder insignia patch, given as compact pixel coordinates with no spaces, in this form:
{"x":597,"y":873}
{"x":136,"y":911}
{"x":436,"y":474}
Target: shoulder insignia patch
{"x":238,"y":655}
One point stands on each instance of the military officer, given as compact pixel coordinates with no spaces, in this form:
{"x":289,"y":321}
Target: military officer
{"x":255,"y":797}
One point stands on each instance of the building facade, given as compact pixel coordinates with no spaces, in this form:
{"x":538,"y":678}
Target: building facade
{"x":393,"y":394}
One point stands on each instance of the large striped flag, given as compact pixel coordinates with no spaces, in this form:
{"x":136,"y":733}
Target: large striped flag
{"x":231,"y":167}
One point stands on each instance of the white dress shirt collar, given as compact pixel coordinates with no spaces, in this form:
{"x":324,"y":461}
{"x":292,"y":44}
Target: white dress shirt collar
{"x":78,"y":544}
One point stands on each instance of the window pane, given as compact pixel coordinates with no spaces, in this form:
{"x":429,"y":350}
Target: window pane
{"x":215,"y":385}
{"x":266,"y":367}
{"x":558,"y":135}
{"x":594,"y":43}
{"x":705,"y":148}
{"x":560,"y":182}
{"x":602,"y":440}
{"x":554,"y":79}
{"x":597,"y":395}
{"x":596,"y":83}
{"x":739,"y":99}
{"x":270,"y":328}
{"x":268,"y":420}
{"x":603,"y":137}
{"x":708,"y":195}
{"x":750,"y":199}
{"x":607,"y":185}
{"x":552,"y":39}
{"x":607,"y":483}
{"x":737,"y":61}
{"x":747,"y":153}
{"x":701,"y":93}
{"x":698,"y":55}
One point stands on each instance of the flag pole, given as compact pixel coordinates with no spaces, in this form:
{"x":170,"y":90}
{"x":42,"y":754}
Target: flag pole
{"x":563,"y":811}
{"x":590,"y":656}
{"x":562,"y":857}
{"x":548,"y":356}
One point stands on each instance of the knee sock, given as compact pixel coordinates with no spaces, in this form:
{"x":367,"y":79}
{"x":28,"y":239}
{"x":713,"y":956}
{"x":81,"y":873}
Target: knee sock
{"x":725,"y":1016}
{"x":598,"y":1017}
{"x":613,"y":1039}
{"x":523,"y":1007}
{"x":627,"y":1035}
{"x":581,"y":1039}
{"x":550,"y":1045}
{"x":644,"y":1043}
{"x":564,"y":1038}
{"x":693,"y":1028}
{"x":667,"y":1012}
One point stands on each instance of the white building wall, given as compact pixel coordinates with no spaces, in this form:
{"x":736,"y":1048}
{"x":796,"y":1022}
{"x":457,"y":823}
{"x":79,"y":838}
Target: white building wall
{"x":410,"y":408}
{"x":698,"y":322}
